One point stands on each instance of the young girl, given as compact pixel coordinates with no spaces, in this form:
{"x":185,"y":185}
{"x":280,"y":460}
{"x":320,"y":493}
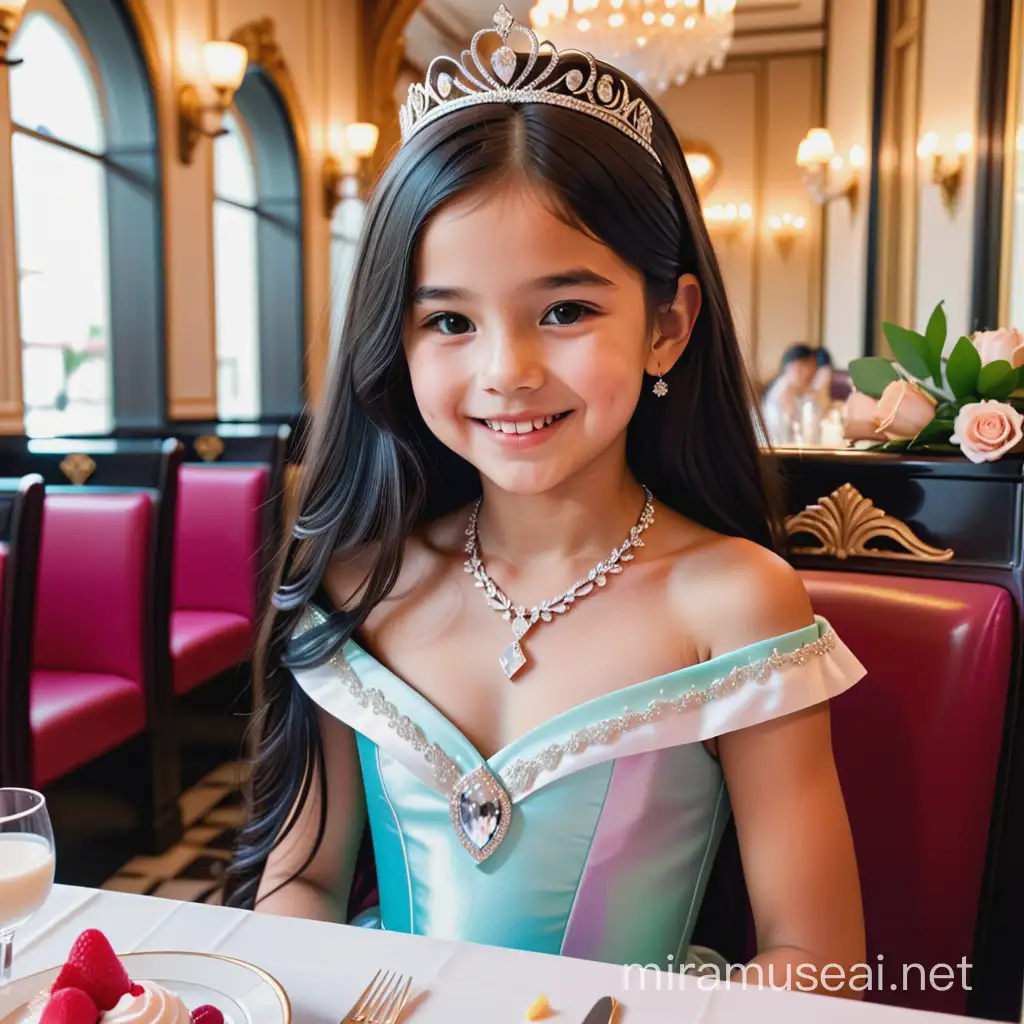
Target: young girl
{"x":538,"y":383}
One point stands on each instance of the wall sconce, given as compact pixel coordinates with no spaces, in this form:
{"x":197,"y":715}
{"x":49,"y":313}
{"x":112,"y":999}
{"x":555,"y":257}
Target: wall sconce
{"x":827,"y":177}
{"x":726,"y":222}
{"x":10,"y":17}
{"x":946,"y":172}
{"x":784,"y":231}
{"x":703,"y":164}
{"x":225,"y":65}
{"x":353,"y":145}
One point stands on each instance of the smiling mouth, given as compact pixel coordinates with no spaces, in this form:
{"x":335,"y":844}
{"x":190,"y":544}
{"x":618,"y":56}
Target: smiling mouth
{"x":523,"y":426}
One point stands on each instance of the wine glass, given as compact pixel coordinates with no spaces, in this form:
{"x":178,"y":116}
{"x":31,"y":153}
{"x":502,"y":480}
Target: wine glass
{"x":26,"y":866}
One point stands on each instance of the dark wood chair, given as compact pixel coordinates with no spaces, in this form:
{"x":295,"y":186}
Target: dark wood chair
{"x":21,"y":523}
{"x":101,"y":670}
{"x":228,"y":530}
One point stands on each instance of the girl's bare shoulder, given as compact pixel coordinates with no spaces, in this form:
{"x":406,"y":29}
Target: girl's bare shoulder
{"x":426,"y":553}
{"x":731,"y":592}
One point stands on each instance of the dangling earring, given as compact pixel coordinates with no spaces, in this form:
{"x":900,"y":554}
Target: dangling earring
{"x":660,"y":388}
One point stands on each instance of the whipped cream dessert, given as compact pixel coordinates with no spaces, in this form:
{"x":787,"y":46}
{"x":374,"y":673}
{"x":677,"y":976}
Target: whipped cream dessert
{"x":156,"y":1005}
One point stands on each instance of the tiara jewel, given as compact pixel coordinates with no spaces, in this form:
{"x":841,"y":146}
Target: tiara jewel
{"x":452,"y":84}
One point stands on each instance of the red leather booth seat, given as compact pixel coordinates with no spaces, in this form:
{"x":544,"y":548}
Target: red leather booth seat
{"x":917,"y":744}
{"x":217,"y":558}
{"x":88,"y":676}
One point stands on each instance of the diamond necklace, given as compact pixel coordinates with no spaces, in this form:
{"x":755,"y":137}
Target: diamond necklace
{"x":512,"y":658}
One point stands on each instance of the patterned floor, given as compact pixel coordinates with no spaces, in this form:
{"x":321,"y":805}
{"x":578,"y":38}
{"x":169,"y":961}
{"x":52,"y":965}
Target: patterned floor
{"x":192,"y":870}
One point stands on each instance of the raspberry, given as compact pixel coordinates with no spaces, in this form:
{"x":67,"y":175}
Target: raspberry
{"x":207,"y":1015}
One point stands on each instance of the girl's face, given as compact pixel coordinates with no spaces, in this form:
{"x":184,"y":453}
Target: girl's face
{"x":526,"y":340}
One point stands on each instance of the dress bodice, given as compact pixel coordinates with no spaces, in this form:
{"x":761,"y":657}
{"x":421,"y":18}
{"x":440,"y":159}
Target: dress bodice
{"x":593,"y":834}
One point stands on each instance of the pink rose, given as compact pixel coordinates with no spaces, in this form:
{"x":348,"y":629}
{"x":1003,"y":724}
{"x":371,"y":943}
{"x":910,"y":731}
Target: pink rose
{"x":904,"y":410}
{"x":1006,"y":343}
{"x":987,"y":430}
{"x":860,"y":418}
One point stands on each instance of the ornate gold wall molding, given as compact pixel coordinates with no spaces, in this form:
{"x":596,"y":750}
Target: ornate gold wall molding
{"x":845,"y":523}
{"x":259,"y":37}
{"x":384,"y":26}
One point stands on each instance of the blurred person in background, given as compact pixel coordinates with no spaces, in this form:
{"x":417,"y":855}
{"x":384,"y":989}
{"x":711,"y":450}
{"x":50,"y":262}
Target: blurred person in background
{"x":804,"y":377}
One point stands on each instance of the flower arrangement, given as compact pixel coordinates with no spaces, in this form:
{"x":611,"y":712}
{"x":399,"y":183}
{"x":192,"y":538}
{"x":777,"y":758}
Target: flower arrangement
{"x":970,"y":402}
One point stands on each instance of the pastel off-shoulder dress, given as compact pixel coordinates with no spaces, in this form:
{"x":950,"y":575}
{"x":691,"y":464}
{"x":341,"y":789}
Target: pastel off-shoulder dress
{"x":591,"y":836}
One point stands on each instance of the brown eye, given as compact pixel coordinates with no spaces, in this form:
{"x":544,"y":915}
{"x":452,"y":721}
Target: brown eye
{"x":565,"y":314}
{"x":451,"y":323}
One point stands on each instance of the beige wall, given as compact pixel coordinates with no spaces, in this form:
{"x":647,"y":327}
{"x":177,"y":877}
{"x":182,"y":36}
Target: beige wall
{"x":949,"y":89}
{"x":753,"y":114}
{"x":319,"y":43}
{"x":849,"y":91}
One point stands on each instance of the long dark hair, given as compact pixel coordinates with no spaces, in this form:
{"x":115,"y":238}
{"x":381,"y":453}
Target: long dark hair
{"x":374,"y":472}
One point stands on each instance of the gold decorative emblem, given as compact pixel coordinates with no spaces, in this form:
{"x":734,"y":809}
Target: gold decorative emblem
{"x":77,"y":467}
{"x":209,"y":447}
{"x":260,"y":39}
{"x":846,"y":522}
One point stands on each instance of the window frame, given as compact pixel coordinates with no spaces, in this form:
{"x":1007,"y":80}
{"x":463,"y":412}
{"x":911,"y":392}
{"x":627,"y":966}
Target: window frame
{"x":110,"y":42}
{"x":280,"y":255}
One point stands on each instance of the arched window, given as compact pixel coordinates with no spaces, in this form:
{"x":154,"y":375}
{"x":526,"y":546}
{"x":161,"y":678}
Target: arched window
{"x":258,"y":250}
{"x":87,"y":220}
{"x":57,"y":150}
{"x":346,"y":226}
{"x":236,"y":280}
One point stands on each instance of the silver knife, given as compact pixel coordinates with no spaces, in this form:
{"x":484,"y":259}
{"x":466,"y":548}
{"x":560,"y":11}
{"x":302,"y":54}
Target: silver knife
{"x":602,"y":1012}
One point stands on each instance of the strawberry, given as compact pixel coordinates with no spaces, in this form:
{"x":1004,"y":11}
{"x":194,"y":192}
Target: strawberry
{"x":70,"y":1006}
{"x":207,"y":1015}
{"x":93,"y":966}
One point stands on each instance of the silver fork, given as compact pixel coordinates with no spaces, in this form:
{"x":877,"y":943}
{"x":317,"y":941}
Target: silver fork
{"x":382,"y":1001}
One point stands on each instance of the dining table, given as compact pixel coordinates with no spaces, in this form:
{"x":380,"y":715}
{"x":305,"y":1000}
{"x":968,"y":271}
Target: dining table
{"x":323,"y":968}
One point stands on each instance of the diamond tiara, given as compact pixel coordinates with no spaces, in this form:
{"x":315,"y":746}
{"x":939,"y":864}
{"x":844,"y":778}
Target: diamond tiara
{"x":452,"y":84}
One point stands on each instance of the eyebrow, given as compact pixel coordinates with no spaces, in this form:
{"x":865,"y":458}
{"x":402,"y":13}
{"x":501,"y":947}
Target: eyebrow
{"x":431,"y":293}
{"x":575,"y":278}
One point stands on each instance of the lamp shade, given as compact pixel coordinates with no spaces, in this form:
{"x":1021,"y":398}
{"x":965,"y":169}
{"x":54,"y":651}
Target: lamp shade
{"x":816,"y":148}
{"x":225,"y":64}
{"x":362,"y":139}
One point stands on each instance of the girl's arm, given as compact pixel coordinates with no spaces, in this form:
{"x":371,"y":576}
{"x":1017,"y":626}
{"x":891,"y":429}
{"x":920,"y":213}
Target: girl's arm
{"x":797,"y":853}
{"x":321,"y":891}
{"x":794,"y":835}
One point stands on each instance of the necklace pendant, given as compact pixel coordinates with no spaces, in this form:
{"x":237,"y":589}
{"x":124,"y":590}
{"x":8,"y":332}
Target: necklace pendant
{"x":512,"y":659}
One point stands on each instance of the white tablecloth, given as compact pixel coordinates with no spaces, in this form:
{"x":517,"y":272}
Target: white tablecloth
{"x":325,"y":967}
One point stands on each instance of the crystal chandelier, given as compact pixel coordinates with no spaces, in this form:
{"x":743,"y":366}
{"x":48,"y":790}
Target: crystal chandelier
{"x":659,"y":42}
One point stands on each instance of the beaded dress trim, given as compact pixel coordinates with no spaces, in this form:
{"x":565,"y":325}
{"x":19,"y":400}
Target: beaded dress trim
{"x":519,"y":776}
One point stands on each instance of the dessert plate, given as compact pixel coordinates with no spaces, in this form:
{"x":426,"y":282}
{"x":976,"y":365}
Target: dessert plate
{"x":243,"y":993}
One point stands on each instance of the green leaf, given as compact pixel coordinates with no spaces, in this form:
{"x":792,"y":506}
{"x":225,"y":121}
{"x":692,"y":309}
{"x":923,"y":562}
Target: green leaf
{"x":935,"y":334}
{"x":910,"y":349}
{"x":937,"y":430}
{"x":997,"y":380}
{"x":871,"y":374}
{"x":962,"y":369}
{"x":946,"y":411}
